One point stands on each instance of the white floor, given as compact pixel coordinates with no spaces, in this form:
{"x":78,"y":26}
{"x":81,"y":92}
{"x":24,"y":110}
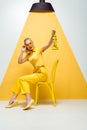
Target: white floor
{"x":68,"y":115}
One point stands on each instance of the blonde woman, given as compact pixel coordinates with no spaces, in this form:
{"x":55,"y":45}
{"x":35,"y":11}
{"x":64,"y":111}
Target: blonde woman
{"x":34,"y":56}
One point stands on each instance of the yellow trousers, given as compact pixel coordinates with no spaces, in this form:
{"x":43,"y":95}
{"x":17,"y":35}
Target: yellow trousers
{"x":23,"y":83}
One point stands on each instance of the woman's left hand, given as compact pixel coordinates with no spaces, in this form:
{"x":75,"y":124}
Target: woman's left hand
{"x":53,"y":32}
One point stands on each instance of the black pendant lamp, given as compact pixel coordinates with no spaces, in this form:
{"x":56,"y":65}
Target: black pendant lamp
{"x":42,"y":6}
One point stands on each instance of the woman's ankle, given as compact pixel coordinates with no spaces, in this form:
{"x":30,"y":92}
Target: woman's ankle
{"x":13,"y":99}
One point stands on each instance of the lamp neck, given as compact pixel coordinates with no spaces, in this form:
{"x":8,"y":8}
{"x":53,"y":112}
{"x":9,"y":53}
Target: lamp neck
{"x":42,"y":1}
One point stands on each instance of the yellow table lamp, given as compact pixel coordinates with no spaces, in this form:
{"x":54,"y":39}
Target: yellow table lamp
{"x":54,"y":47}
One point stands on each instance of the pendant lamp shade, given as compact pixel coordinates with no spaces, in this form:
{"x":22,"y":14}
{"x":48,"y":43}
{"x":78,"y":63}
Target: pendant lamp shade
{"x":42,"y":6}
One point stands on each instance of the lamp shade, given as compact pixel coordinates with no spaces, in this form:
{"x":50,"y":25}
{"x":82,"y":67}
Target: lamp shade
{"x":42,"y":6}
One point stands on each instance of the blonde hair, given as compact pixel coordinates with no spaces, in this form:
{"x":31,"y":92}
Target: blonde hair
{"x":26,"y":40}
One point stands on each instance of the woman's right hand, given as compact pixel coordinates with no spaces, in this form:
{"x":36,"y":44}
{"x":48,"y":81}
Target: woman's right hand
{"x":23,"y":48}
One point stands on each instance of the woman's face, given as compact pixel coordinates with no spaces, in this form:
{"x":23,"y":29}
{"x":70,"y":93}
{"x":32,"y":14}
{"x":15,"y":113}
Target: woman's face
{"x":29,"y":44}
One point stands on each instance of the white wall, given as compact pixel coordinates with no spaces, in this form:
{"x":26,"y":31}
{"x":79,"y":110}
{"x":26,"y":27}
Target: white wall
{"x":71,"y":14}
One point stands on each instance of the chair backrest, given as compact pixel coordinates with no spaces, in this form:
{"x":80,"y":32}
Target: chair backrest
{"x":53,"y":71}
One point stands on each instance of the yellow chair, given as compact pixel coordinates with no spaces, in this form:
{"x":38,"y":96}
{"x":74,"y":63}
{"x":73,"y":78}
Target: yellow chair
{"x":49,"y":83}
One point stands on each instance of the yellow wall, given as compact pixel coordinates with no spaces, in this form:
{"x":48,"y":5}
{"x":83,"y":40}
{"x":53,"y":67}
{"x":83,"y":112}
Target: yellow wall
{"x":69,"y":83}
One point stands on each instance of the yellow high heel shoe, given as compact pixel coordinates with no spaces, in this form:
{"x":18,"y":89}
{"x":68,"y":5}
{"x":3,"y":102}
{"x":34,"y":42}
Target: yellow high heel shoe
{"x":15,"y":103}
{"x":29,"y":104}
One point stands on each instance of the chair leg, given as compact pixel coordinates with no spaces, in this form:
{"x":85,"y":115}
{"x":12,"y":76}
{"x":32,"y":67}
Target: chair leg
{"x":54,"y":100}
{"x":36,"y":98}
{"x":52,"y":94}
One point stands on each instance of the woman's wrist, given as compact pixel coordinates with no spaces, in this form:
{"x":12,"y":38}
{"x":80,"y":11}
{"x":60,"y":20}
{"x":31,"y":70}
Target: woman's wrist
{"x":53,"y":36}
{"x":22,"y":52}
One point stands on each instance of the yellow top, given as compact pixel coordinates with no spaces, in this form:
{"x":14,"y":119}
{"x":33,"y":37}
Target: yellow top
{"x":35,"y":57}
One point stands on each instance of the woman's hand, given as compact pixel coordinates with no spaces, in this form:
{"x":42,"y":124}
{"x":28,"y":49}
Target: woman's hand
{"x":23,"y":48}
{"x":20,"y":58}
{"x":53,"y":32}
